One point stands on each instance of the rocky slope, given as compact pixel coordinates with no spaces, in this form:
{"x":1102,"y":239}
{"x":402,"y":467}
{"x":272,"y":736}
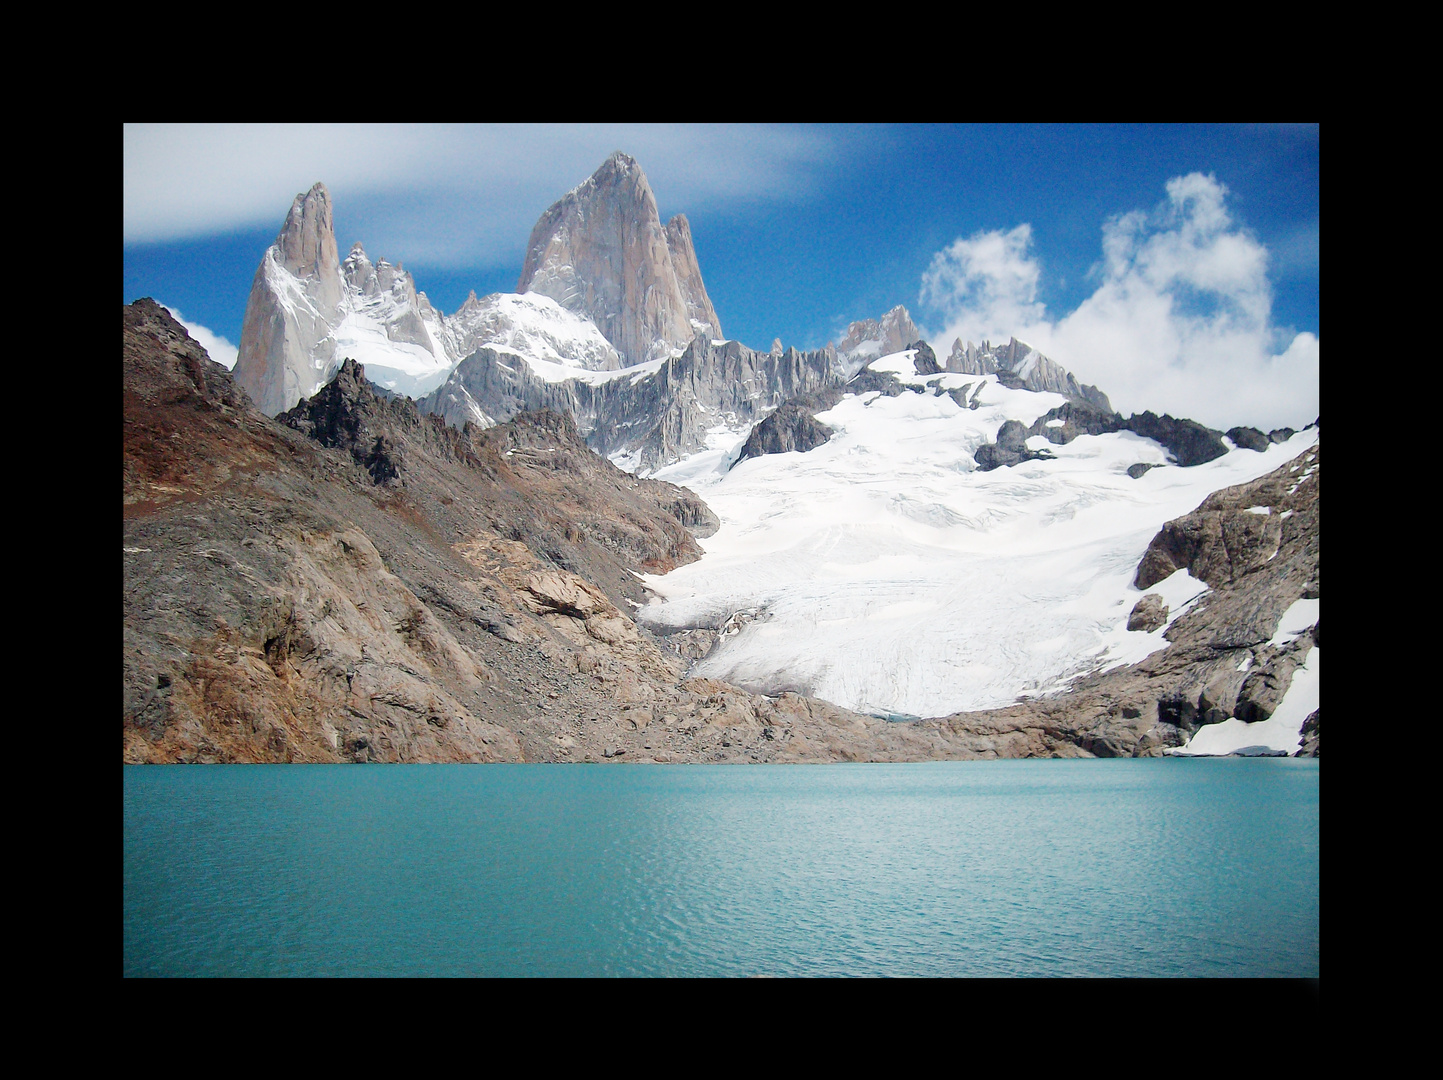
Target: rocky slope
{"x":362,"y":583}
{"x":1256,"y":547}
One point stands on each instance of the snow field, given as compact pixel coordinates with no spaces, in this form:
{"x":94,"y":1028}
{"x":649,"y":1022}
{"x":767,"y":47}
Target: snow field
{"x":890,"y":576}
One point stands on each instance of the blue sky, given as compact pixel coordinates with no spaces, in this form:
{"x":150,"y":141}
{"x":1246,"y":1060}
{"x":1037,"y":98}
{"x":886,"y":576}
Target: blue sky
{"x":1174,"y":266}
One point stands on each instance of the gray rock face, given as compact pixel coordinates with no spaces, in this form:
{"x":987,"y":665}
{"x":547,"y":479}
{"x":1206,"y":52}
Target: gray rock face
{"x":1148,"y":613}
{"x":700,"y":312}
{"x":1310,"y":736}
{"x":381,"y":282}
{"x":658,"y":416}
{"x":867,"y":339}
{"x":286,"y":347}
{"x":302,"y":296}
{"x":791,"y":427}
{"x":1249,"y":438}
{"x":1032,"y":370}
{"x":601,"y":251}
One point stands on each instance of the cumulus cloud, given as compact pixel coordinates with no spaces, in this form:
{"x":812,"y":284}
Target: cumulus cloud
{"x":1180,"y":321}
{"x":218,"y":348}
{"x":440,"y":194}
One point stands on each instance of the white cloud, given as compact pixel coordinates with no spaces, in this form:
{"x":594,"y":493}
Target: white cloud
{"x":1180,"y":322}
{"x":218,"y":348}
{"x":986,"y":284}
{"x":446,"y":195}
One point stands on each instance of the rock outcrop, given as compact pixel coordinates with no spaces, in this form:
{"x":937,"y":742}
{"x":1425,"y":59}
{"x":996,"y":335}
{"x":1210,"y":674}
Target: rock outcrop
{"x":602,"y":252}
{"x":1147,"y":614}
{"x":1009,"y":449}
{"x":867,"y":339}
{"x":1188,"y":442}
{"x":791,"y":427}
{"x":1029,"y":368}
{"x":1222,"y":661}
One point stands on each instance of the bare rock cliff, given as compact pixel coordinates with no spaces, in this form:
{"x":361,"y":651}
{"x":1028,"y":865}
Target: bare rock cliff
{"x":294,"y":302}
{"x":601,"y":251}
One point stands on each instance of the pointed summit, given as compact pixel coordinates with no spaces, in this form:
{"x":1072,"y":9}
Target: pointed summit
{"x":307,"y":243}
{"x":308,"y":311}
{"x":601,"y":251}
{"x":296,"y":297}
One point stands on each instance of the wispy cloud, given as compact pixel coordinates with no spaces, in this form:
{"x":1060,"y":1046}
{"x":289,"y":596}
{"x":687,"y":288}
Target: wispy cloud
{"x":1180,"y":320}
{"x":219,"y":349}
{"x":447,"y":195}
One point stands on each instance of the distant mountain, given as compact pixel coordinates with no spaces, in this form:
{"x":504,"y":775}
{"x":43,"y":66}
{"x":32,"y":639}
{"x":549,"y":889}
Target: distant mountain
{"x":605,"y":285}
{"x":867,"y":339}
{"x":307,"y":312}
{"x":1024,"y":363}
{"x":602,"y":252}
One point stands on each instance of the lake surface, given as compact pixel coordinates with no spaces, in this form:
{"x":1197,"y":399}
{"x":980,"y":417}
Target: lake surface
{"x":1060,"y":868}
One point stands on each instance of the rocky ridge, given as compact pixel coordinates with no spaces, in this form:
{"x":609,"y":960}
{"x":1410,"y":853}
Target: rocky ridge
{"x":1032,"y":370}
{"x":648,"y":416}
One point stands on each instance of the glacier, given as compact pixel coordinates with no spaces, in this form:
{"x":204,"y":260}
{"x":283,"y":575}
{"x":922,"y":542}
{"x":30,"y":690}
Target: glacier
{"x":885,"y":572}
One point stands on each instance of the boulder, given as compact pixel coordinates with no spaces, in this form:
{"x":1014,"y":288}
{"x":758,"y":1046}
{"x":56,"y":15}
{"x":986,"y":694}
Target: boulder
{"x":925,"y":360}
{"x":1148,"y":613}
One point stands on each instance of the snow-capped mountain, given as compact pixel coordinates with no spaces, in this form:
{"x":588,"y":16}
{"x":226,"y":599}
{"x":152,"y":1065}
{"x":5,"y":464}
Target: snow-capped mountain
{"x":606,"y":285}
{"x":867,"y":339}
{"x":308,"y":312}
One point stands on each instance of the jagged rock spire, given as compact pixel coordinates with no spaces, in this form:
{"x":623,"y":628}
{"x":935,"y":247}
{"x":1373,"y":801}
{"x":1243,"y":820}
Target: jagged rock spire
{"x":602,"y":252}
{"x":295,"y":299}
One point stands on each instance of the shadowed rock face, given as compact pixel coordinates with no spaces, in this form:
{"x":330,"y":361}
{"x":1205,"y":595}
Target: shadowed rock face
{"x":602,"y":252}
{"x":791,"y":427}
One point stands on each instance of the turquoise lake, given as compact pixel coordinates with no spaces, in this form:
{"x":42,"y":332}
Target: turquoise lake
{"x":1205,"y":867}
